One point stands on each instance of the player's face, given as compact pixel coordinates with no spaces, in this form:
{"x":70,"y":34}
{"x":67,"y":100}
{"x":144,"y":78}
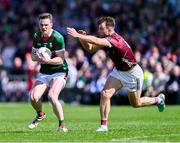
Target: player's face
{"x":45,"y":25}
{"x":103,"y":30}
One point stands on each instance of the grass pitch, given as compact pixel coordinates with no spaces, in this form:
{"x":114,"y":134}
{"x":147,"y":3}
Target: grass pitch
{"x":126,"y":124}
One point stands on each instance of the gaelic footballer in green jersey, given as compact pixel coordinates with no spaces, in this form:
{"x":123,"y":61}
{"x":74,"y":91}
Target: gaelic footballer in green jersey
{"x":53,"y":70}
{"x":54,"y":42}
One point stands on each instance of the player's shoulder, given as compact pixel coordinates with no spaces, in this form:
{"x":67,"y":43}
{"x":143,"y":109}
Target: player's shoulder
{"x":115,"y":37}
{"x":57,"y":34}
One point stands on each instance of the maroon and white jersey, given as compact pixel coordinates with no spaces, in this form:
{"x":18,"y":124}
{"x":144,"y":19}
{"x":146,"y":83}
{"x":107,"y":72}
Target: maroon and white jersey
{"x":120,"y":53}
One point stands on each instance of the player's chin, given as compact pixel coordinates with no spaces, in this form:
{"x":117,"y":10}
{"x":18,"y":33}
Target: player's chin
{"x":44,"y":31}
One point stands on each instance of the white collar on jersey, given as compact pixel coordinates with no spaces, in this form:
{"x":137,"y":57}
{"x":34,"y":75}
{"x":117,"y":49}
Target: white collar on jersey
{"x":50,"y":32}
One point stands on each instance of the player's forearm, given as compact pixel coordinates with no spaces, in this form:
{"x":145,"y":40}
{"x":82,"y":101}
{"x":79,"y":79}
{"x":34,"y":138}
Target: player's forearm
{"x":86,"y":46}
{"x":90,"y":39}
{"x":55,"y":61}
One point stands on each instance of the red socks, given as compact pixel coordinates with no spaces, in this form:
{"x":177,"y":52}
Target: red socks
{"x":104,"y":122}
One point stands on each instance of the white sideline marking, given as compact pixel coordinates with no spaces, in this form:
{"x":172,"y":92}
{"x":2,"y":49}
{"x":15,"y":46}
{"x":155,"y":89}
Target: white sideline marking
{"x":143,"y":137}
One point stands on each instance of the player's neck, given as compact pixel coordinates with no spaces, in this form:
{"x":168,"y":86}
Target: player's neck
{"x":111,"y":32}
{"x":49,"y":33}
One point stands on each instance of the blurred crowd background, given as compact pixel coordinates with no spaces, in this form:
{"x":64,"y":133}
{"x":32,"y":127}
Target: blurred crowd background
{"x":151,"y":27}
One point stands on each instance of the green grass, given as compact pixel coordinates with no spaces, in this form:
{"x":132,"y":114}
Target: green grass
{"x":126,"y":124}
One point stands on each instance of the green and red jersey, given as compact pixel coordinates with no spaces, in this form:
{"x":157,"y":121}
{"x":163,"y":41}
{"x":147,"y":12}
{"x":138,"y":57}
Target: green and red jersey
{"x":54,"y":42}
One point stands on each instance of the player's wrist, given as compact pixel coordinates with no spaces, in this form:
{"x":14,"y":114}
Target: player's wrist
{"x":79,"y":36}
{"x":48,"y":61}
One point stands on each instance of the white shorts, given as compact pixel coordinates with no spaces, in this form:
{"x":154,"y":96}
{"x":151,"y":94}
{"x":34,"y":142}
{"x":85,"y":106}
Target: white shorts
{"x":132,"y":79}
{"x":46,"y":78}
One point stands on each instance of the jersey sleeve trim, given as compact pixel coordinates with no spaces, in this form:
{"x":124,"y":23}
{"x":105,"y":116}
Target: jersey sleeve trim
{"x":58,"y":51}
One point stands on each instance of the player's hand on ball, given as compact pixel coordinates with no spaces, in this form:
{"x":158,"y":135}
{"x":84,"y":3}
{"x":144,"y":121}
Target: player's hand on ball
{"x":44,"y":55}
{"x":44,"y":59}
{"x":39,"y":58}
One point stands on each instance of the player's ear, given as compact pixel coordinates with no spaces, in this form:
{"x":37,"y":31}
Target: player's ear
{"x":51,"y":24}
{"x":110,"y":29}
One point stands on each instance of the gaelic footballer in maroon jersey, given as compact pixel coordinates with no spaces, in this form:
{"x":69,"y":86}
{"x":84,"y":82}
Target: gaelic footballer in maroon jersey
{"x":126,"y":73}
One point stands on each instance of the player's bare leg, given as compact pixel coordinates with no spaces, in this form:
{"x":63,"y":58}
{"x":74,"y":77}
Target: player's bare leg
{"x":136,"y":100}
{"x":110,"y":88}
{"x":36,"y":94}
{"x":57,"y":85}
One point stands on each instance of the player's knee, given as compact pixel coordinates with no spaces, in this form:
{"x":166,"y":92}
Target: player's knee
{"x":105,"y":94}
{"x":52,"y":99}
{"x":34,"y":99}
{"x":136,"y":105}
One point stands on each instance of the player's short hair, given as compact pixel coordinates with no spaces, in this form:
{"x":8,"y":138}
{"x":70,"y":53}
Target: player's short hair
{"x":110,"y":21}
{"x":46,"y":16}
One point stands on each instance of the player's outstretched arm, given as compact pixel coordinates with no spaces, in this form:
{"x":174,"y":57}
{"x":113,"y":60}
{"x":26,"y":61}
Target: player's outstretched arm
{"x":87,"y":46}
{"x":91,"y":48}
{"x":100,"y":42}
